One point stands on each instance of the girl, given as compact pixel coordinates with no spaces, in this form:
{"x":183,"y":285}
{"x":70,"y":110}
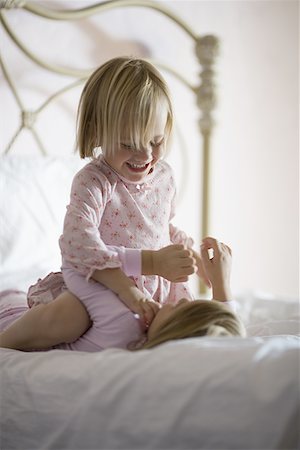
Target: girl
{"x":172,"y":321}
{"x":118,"y":242}
{"x":117,"y":230}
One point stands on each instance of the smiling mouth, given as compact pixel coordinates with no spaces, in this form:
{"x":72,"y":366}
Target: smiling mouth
{"x":138,"y":167}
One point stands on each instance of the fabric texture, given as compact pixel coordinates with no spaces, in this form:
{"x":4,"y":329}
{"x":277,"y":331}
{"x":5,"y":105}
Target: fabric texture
{"x":199,"y":393}
{"x":48,"y":288}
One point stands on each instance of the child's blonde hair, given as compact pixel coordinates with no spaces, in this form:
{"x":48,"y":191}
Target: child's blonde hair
{"x":121,"y":97}
{"x":198,"y":318}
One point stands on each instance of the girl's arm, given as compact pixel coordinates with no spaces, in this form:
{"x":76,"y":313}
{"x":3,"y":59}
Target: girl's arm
{"x":128,"y":292}
{"x":217,"y":267}
{"x":81,"y":243}
{"x":174,"y":262}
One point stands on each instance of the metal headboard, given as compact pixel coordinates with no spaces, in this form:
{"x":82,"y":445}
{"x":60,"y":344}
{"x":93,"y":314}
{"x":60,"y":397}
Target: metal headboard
{"x":206,"y":48}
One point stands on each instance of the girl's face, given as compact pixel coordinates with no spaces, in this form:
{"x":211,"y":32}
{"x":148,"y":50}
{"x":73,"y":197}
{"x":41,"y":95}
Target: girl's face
{"x":163,"y":314}
{"x":135,"y":164}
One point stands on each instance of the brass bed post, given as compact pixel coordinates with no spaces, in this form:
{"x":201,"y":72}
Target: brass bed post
{"x":206,"y":51}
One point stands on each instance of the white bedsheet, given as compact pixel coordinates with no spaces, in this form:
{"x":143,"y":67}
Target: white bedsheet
{"x":201,"y":393}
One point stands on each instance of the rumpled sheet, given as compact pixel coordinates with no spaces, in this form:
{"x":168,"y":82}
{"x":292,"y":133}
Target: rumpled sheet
{"x":200,"y":393}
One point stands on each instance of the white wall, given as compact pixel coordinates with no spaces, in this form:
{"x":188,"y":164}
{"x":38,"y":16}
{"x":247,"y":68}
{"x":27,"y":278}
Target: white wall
{"x":254,"y":201}
{"x":255,"y":175}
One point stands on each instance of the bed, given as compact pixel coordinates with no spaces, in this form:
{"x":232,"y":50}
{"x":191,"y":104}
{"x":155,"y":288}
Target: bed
{"x":201,"y":393}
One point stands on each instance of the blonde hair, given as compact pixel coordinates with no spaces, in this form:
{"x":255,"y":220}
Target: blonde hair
{"x":198,"y":318}
{"x":121,"y":96}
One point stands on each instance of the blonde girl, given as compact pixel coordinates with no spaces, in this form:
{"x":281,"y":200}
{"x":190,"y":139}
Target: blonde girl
{"x":193,"y":319}
{"x":185,"y":319}
{"x":118,"y":229}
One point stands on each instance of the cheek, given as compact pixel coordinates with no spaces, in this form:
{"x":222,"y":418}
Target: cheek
{"x":120,"y":158}
{"x":159,"y":152}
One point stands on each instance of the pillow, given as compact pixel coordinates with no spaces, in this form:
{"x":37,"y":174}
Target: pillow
{"x":34,"y":192}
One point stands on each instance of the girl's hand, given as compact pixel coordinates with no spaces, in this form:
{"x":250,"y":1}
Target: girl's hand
{"x":217,"y":267}
{"x":128,"y":292}
{"x":201,"y":269}
{"x":137,"y":302}
{"x":174,"y":263}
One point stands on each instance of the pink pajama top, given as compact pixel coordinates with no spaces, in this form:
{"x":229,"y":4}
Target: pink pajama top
{"x":107,"y":210}
{"x":108,"y":222}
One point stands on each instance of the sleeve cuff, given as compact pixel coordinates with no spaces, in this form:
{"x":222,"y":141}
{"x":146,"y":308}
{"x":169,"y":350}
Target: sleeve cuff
{"x":131,"y":260}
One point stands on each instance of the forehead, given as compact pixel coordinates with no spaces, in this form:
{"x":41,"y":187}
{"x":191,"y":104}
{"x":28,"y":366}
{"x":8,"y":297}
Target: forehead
{"x":160,"y":119}
{"x":155,"y":127}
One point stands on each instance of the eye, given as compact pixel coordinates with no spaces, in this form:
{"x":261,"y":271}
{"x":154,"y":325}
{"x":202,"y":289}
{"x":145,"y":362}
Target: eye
{"x":156,"y":144}
{"x":128,"y":146}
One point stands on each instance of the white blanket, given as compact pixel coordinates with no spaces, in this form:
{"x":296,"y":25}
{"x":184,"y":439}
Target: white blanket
{"x":201,"y":393}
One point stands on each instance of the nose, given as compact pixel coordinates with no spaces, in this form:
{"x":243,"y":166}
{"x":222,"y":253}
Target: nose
{"x":144,"y":153}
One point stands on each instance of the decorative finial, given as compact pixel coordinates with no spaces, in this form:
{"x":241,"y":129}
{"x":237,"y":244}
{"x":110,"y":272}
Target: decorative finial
{"x":206,"y":50}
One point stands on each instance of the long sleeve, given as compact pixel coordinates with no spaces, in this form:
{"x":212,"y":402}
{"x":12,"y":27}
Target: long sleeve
{"x":178,"y":236}
{"x":81,"y":243}
{"x":130,"y":258}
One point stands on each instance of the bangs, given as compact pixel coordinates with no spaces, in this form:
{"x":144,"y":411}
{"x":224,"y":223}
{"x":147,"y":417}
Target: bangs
{"x":123,"y":102}
{"x":138,"y":124}
{"x":136,"y":118}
